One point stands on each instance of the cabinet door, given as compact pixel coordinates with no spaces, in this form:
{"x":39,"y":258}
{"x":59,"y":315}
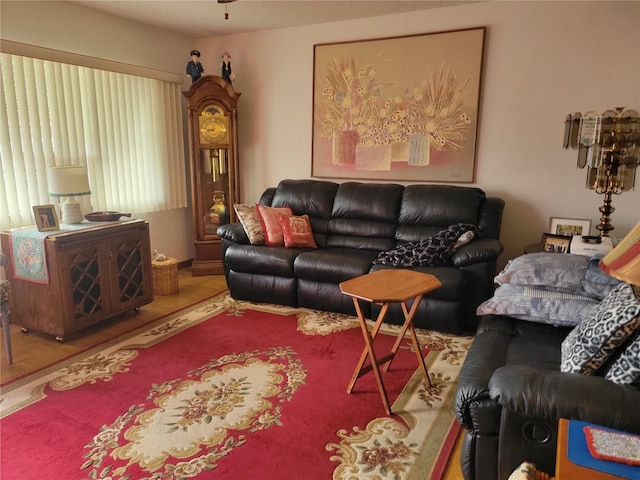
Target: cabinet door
{"x":131,"y":276}
{"x":86,"y":270}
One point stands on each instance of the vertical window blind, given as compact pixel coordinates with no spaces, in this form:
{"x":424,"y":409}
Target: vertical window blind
{"x":127,"y":130}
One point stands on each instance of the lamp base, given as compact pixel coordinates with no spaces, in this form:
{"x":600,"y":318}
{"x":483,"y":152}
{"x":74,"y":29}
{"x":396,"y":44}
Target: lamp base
{"x":71,"y":211}
{"x":605,"y":220}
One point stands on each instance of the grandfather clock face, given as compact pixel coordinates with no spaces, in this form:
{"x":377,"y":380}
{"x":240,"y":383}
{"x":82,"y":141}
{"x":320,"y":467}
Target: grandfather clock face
{"x":213,"y":125}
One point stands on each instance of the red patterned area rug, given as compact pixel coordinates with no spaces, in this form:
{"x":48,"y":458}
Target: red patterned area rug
{"x":234,"y":390}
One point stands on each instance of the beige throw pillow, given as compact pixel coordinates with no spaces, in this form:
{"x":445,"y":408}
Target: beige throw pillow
{"x":250,"y":220}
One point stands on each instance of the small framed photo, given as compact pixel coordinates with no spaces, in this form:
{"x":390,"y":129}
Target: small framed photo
{"x":569,"y":226}
{"x":555,"y":243}
{"x":46,"y":218}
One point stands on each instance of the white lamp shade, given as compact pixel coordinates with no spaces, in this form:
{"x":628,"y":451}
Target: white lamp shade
{"x":68,"y":181}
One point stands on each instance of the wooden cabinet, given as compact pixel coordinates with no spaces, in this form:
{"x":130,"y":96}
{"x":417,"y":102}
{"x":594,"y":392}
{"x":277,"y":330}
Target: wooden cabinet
{"x":94,"y":273}
{"x":213,"y":150}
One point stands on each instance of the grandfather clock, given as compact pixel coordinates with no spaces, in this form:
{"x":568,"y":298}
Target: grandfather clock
{"x":212,"y":112}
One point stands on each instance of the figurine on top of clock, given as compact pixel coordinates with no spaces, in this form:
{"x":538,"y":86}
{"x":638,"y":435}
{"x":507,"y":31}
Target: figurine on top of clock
{"x":194,"y":67}
{"x":227,"y":74}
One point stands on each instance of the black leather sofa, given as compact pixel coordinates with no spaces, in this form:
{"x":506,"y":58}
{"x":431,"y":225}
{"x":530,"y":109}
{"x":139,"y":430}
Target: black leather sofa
{"x":511,"y":394}
{"x":352,"y":223}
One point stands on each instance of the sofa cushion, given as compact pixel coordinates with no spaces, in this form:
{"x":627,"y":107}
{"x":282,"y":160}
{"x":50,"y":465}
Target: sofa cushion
{"x":263,"y":288}
{"x":313,"y":197}
{"x":333,"y":265}
{"x":427,"y":209}
{"x":261,"y":259}
{"x":625,"y":368}
{"x":379,"y":202}
{"x":270,"y":224}
{"x":592,"y":342}
{"x":535,"y":344}
{"x":296,"y":231}
{"x":538,"y":305}
{"x":365,"y":216}
{"x":250,"y":220}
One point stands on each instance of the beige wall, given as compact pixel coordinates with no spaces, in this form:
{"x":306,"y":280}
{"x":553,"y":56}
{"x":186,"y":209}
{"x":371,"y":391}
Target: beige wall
{"x":542,"y":61}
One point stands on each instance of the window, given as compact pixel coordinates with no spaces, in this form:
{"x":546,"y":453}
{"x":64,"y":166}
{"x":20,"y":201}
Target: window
{"x":127,"y":129}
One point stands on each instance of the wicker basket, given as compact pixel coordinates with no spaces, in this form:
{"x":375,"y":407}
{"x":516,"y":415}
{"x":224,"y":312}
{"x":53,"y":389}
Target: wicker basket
{"x":165,"y":276}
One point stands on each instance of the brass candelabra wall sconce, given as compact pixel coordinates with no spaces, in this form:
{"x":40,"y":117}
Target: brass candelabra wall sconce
{"x":609,"y":147}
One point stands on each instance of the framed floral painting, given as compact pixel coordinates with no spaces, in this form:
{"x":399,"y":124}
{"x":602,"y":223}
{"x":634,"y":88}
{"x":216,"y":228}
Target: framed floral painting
{"x":402,"y":108}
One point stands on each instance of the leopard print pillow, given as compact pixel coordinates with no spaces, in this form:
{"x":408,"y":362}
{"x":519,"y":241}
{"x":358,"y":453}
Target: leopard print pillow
{"x":593,"y":341}
{"x":625,"y":369}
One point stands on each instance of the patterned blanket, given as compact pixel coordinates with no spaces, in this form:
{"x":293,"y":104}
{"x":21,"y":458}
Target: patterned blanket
{"x":432,"y":251}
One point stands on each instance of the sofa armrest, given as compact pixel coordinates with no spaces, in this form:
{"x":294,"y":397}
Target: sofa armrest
{"x":233,"y":232}
{"x":552,"y":395}
{"x":478,"y":251}
{"x":486,"y":354}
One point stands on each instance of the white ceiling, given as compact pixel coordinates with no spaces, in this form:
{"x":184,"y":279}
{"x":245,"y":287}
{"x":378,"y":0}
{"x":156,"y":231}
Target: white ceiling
{"x":202,"y":18}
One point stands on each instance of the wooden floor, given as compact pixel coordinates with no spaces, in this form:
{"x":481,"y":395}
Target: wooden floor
{"x":33,"y":351}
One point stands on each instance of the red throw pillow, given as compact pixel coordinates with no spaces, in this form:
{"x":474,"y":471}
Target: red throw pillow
{"x":270,"y":225}
{"x":297,"y":231}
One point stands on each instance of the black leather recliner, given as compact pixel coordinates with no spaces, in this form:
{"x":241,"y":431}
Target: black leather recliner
{"x":511,"y":395}
{"x":352,"y":223}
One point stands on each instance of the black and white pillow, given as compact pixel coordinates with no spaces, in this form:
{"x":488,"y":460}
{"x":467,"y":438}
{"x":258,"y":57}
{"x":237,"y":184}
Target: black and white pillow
{"x":592,"y":342}
{"x":625,"y":369}
{"x":432,"y":251}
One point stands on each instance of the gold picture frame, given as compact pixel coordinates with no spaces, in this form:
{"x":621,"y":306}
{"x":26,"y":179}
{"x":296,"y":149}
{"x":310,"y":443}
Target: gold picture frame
{"x":555,"y":243}
{"x":46,"y":218}
{"x":401,"y":108}
{"x":569,"y":226}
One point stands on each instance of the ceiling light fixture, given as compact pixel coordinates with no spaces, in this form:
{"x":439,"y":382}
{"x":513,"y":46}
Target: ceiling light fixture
{"x":226,"y":13}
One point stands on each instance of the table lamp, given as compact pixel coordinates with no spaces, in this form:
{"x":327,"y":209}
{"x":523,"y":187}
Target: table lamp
{"x":608,"y":146}
{"x":623,"y":262}
{"x":69,"y":182}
